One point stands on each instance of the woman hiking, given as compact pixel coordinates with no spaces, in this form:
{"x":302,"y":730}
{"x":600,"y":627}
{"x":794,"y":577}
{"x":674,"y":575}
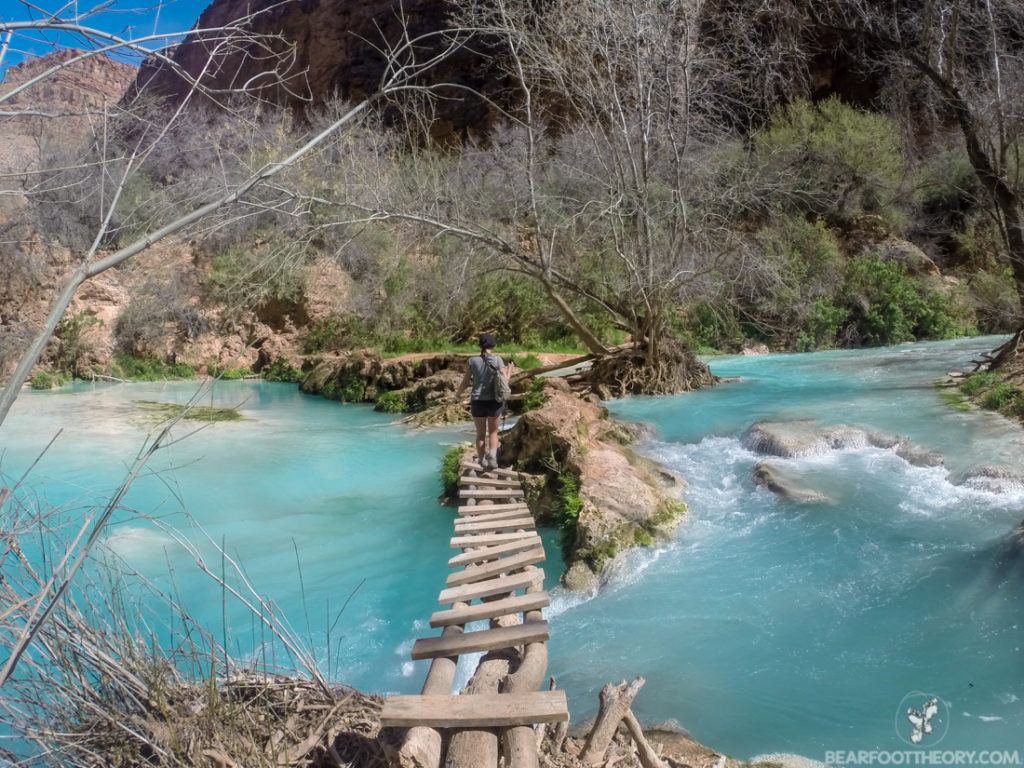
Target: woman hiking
{"x":486,"y":410}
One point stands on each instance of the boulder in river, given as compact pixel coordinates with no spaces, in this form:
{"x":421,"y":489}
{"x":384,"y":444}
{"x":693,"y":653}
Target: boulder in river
{"x":769,"y":475}
{"x":993,"y":478}
{"x":791,"y":439}
{"x":589,"y":482}
{"x":806,"y":437}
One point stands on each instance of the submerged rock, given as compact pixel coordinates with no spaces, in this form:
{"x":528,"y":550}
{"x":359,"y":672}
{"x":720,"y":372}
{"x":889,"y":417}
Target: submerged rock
{"x":791,"y":439}
{"x":805,"y":437}
{"x":775,"y":479}
{"x":991,"y":478}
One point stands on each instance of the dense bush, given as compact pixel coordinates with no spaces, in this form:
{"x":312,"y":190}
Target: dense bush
{"x":831,"y":159}
{"x":281,"y":370}
{"x":48,"y":379}
{"x":888,"y":306}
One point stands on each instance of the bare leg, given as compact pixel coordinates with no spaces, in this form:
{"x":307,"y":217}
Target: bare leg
{"x":481,"y":438}
{"x":492,"y":436}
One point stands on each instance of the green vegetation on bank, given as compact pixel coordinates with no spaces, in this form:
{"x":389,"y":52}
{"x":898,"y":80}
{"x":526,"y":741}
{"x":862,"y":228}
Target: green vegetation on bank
{"x":450,"y":470}
{"x":995,"y":391}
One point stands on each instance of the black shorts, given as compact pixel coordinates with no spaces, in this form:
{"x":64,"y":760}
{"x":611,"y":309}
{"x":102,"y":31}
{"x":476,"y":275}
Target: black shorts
{"x":486,"y":408}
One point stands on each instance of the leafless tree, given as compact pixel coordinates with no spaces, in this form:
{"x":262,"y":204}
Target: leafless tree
{"x":229,"y":200}
{"x":600,"y":185}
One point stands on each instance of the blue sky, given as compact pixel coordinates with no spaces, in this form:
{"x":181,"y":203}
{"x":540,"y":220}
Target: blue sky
{"x":137,"y":17}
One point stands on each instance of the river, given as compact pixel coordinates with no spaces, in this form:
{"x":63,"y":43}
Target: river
{"x":762,"y":626}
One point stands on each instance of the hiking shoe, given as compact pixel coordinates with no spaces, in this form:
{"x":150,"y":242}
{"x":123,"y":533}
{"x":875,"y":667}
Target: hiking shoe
{"x":492,"y":463}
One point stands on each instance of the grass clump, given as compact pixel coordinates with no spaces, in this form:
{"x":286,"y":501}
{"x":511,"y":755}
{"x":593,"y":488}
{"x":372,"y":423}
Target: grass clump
{"x":977,"y":382}
{"x":137,"y":368}
{"x":48,"y":380}
{"x":168,"y":411}
{"x":450,"y":469}
{"x":228,"y":374}
{"x":999,"y":396}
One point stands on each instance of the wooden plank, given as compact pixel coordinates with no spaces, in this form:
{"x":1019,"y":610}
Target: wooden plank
{"x":471,"y":510}
{"x":490,"y":610}
{"x":484,"y":554}
{"x":493,"y":482}
{"x":499,"y":586}
{"x":476,"y":493}
{"x":493,"y":526}
{"x":509,"y":564}
{"x":485,"y":710}
{"x":484,"y":640}
{"x":474,"y":467}
{"x":496,"y":513}
{"x":488,"y":539}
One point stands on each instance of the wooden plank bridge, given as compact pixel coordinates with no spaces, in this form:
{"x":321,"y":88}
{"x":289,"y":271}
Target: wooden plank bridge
{"x":495,"y":578}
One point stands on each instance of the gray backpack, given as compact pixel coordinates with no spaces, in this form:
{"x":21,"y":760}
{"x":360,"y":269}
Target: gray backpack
{"x":498,"y":386}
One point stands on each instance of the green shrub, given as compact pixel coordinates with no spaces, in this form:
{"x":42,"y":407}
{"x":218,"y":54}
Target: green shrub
{"x":889,"y":306}
{"x":822,"y":327}
{"x":149,"y":369}
{"x":392,"y":402}
{"x":567,"y":509}
{"x":534,"y":397}
{"x":450,"y":469}
{"x":999,"y":396}
{"x":48,"y":380}
{"x":251,"y":276}
{"x":711,"y":327}
{"x":527,"y":362}
{"x":281,"y":370}
{"x":351,"y":389}
{"x":228,"y":374}
{"x":832,"y":159}
{"x":337,"y":332}
{"x":977,"y":382}
{"x":70,"y":339}
{"x":995,"y":300}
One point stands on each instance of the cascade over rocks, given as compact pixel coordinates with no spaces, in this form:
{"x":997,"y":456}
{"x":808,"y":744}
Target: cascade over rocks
{"x":805,"y":437}
{"x":589,"y":482}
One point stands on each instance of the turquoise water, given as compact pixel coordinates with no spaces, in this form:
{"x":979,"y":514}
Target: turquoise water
{"x":355,"y":494}
{"x":767,"y":626}
{"x":762,"y":626}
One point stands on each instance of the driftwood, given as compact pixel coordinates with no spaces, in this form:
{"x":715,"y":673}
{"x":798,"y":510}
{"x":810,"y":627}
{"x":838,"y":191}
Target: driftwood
{"x":615,"y":702}
{"x":648,"y":757}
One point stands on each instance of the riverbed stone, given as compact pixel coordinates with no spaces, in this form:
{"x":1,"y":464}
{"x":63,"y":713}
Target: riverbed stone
{"x":774,"y":478}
